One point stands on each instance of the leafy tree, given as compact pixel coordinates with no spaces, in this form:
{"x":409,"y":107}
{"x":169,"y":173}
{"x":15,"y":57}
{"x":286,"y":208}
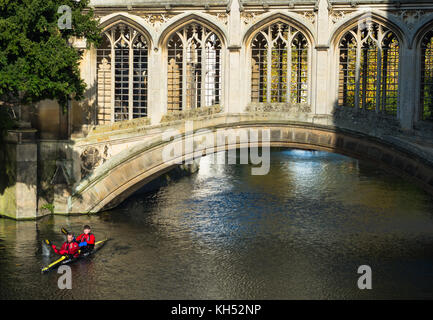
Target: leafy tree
{"x":37,"y":60}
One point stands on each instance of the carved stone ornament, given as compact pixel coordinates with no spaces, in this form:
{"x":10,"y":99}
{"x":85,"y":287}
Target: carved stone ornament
{"x":249,"y":17}
{"x":157,"y":20}
{"x":409,"y":17}
{"x":92,"y":157}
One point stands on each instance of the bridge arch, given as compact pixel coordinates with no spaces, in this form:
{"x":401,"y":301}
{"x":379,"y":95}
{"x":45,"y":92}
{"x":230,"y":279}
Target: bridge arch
{"x":118,"y":178}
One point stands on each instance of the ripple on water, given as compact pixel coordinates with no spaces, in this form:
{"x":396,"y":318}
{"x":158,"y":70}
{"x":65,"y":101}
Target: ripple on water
{"x":299,"y":232}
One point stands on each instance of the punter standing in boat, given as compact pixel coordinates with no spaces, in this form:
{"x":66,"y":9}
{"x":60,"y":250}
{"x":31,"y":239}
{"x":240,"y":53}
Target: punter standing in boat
{"x":86,"y":241}
{"x":70,"y":247}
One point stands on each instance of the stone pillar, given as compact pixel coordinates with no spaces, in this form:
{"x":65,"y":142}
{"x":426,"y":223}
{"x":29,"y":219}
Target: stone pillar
{"x":157,"y":80}
{"x":235,"y":78}
{"x":407,"y":84}
{"x":84,"y":113}
{"x":18,"y":192}
{"x":320,"y":93}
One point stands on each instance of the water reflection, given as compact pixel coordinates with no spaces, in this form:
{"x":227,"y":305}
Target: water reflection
{"x":299,"y":232}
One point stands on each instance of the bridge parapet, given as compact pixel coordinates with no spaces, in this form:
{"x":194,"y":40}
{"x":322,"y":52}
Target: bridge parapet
{"x":358,"y":120}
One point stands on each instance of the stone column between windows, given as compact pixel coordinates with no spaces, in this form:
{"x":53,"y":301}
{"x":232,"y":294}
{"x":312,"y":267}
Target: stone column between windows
{"x":156,"y":86}
{"x":407,"y":86}
{"x":234,"y":80}
{"x":88,"y":71}
{"x":320,"y":95}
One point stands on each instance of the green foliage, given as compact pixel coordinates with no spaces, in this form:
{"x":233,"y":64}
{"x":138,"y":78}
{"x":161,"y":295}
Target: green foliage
{"x":368,"y":76}
{"x":49,"y":207}
{"x":427,"y":98}
{"x":36,"y":59}
{"x":6,"y":123}
{"x":281,"y":77}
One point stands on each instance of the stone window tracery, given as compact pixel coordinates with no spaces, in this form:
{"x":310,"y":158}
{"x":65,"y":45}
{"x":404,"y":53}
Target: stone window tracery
{"x":279,"y":65}
{"x":369,"y":68}
{"x":194,"y":68}
{"x":122,"y":62}
{"x":427,"y":77}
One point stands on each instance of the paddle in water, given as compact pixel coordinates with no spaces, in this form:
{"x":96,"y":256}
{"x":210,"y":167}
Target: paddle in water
{"x":47,"y":246}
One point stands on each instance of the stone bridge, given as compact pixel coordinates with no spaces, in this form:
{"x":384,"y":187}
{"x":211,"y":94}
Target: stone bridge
{"x":136,"y":152}
{"x":350,"y":77}
{"x":92,"y":173}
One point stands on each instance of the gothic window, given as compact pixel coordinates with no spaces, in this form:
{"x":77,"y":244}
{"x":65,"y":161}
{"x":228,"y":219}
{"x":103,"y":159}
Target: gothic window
{"x":368,"y":72}
{"x":194,"y":68}
{"x":427,"y":77}
{"x":122,"y":62}
{"x":279,"y":65}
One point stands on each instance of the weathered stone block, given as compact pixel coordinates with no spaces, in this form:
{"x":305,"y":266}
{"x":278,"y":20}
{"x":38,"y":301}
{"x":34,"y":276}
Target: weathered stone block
{"x":275,"y":135}
{"x":410,"y":169}
{"x":374,"y":152}
{"x":387,"y":158}
{"x":300,"y":137}
{"x":399,"y":162}
{"x":325,"y":140}
{"x":340,"y":142}
{"x":362,"y":148}
{"x":18,"y":198}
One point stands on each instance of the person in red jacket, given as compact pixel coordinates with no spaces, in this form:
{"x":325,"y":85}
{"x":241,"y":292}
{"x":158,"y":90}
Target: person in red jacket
{"x":86,"y":241}
{"x":70,"y":247}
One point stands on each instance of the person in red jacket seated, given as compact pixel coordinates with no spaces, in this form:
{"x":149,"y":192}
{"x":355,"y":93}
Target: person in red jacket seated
{"x":70,"y":247}
{"x":86,"y":241}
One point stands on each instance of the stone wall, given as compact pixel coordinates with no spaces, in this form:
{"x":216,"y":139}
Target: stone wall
{"x":236,"y":22}
{"x":18,"y":175}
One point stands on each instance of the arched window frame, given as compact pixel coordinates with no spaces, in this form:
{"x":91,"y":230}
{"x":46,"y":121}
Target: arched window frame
{"x":426,"y":77}
{"x":188,"y":91}
{"x":122,"y":91}
{"x":280,"y":92}
{"x":377,"y":34}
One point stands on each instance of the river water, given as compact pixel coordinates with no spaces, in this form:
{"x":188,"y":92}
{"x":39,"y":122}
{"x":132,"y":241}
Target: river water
{"x":300,"y":232}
